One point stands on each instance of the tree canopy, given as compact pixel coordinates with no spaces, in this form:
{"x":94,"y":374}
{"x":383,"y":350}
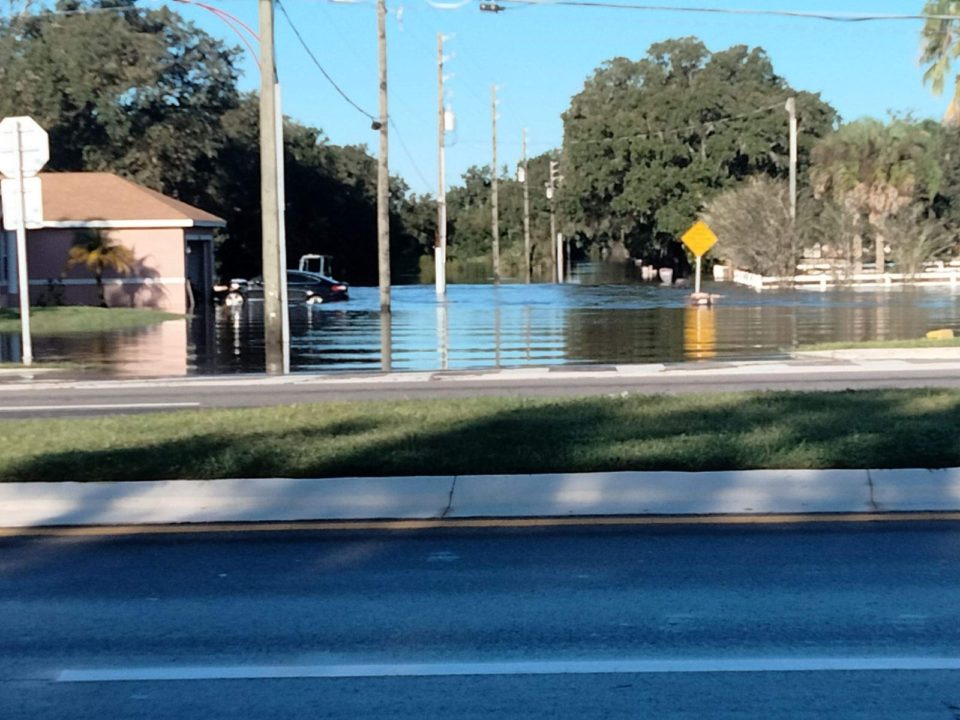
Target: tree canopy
{"x":648,"y":142}
{"x":150,"y":96}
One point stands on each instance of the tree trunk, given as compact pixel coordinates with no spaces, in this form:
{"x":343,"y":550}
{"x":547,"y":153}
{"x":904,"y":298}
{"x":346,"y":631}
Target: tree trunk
{"x":880,"y":255}
{"x":857,"y":253}
{"x":100,"y":294}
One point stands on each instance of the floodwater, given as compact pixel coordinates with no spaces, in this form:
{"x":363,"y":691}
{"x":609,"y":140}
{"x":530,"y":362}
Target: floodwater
{"x":483,"y":326}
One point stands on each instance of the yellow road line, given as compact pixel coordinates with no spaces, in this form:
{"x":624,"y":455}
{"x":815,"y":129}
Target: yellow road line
{"x":416,"y":525}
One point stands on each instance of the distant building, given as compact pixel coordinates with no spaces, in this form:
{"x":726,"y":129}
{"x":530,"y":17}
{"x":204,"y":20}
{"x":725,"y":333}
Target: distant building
{"x":172,"y":243}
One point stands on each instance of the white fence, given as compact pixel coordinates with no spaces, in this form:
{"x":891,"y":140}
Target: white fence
{"x":817,"y":281}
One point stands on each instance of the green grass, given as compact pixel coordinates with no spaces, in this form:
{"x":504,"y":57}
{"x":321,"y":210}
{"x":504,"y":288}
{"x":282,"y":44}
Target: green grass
{"x":872,"y":429}
{"x":881,"y":344}
{"x":42,"y":365}
{"x":81,"y":319}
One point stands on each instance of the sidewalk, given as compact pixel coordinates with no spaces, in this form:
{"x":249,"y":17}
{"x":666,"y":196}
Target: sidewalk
{"x":855,"y":362}
{"x":749,"y":492}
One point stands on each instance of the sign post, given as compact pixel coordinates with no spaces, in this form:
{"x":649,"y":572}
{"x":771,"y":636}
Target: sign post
{"x":699,"y":239}
{"x":24,"y":150}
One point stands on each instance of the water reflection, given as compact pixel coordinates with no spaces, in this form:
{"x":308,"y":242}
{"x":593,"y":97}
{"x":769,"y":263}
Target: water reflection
{"x":699,"y":332}
{"x":157,"y":351}
{"x":513,"y":325}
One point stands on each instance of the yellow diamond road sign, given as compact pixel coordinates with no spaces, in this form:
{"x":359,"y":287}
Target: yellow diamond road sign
{"x":699,"y":238}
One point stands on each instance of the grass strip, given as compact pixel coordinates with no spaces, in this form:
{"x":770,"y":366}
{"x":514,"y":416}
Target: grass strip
{"x":81,"y":319}
{"x":873,"y":429}
{"x":881,"y":344}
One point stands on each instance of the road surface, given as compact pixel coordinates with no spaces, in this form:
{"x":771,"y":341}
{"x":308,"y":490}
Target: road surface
{"x":48,"y":398}
{"x":809,"y":621}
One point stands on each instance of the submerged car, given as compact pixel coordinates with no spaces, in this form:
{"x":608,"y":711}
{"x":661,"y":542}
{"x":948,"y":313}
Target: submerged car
{"x":302,"y":287}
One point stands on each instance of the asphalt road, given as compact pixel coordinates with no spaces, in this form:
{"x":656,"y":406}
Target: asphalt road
{"x":48,"y":398}
{"x":809,"y":621}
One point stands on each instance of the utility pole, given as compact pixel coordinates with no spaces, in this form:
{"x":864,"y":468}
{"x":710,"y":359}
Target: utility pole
{"x":554,"y":245}
{"x":440,"y":251}
{"x":526,"y":212}
{"x":273,"y":273}
{"x":791,"y":108}
{"x":493,"y":184}
{"x":383,"y":174}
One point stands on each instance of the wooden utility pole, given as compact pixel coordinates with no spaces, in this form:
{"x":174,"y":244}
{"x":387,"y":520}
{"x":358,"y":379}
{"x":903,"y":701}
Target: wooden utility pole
{"x":383,"y":174}
{"x":494,"y":196}
{"x":440,"y":251}
{"x":271,"y":239}
{"x":526,"y":212}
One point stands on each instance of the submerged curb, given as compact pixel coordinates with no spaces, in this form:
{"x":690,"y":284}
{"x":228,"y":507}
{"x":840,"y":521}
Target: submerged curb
{"x":740,"y":492}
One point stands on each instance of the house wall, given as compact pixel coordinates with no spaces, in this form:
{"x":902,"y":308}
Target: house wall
{"x":158,"y":280}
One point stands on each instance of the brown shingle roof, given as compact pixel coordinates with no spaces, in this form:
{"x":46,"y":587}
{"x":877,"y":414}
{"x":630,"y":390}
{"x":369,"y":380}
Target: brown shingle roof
{"x":84,"y":197}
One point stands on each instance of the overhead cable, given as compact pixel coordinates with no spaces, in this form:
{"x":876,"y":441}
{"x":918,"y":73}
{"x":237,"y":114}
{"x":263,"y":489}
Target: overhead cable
{"x":846,"y":17}
{"x":320,"y":67}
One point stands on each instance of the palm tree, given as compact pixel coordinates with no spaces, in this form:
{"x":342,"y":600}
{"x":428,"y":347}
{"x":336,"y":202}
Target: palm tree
{"x":940,"y":47}
{"x":98,"y":252}
{"x":873,"y":171}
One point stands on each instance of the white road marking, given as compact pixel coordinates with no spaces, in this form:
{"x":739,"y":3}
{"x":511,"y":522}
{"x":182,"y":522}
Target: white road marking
{"x":116,"y":406}
{"x":528,"y":667}
{"x":442,"y":556}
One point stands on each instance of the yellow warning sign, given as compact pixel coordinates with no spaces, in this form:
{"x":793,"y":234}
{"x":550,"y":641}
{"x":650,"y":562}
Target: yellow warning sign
{"x":699,"y":238}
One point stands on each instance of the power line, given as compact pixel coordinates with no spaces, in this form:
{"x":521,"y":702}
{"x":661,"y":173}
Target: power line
{"x":320,"y":67}
{"x":846,"y":17}
{"x":406,"y":151}
{"x":316,"y":62}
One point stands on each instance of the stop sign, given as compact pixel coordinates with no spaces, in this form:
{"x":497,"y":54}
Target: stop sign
{"x":21,"y":137}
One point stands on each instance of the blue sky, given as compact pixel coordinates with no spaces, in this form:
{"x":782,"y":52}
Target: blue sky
{"x":540,"y":56}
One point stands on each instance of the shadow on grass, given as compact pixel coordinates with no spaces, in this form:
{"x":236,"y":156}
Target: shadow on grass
{"x":870,"y":429}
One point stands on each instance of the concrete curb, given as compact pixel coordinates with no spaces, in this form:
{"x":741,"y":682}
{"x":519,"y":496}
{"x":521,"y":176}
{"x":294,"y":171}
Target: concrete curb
{"x":742,"y":492}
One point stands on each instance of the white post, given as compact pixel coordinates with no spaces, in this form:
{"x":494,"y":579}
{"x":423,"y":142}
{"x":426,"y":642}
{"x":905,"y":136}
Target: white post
{"x":440,"y":251}
{"x":559,"y":242}
{"x":696,"y":288}
{"x":23,"y":278}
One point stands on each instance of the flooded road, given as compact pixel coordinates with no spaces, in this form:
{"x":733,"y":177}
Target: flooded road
{"x":480,"y":326}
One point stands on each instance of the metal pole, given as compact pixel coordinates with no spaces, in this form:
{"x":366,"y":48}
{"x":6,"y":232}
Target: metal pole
{"x":696,"y":288}
{"x":273,"y":308}
{"x":440,"y":252}
{"x":383,"y":175}
{"x":23,"y":277}
{"x":494,"y":196}
{"x":526,"y":212}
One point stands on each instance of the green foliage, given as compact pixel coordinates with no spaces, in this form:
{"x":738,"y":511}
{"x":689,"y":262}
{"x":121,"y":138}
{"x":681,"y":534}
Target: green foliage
{"x":916,"y":236}
{"x":97,"y":252}
{"x":647,"y":143}
{"x":470,"y":221}
{"x":148,"y":95}
{"x":137,"y":91}
{"x":753,"y":226}
{"x":939,"y":50}
{"x":874,"y":170}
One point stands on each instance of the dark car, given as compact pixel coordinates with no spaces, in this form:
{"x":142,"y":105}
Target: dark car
{"x":302,"y":287}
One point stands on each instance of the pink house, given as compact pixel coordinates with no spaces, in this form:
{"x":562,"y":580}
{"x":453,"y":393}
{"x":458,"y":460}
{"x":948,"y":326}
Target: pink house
{"x":172,"y":244}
